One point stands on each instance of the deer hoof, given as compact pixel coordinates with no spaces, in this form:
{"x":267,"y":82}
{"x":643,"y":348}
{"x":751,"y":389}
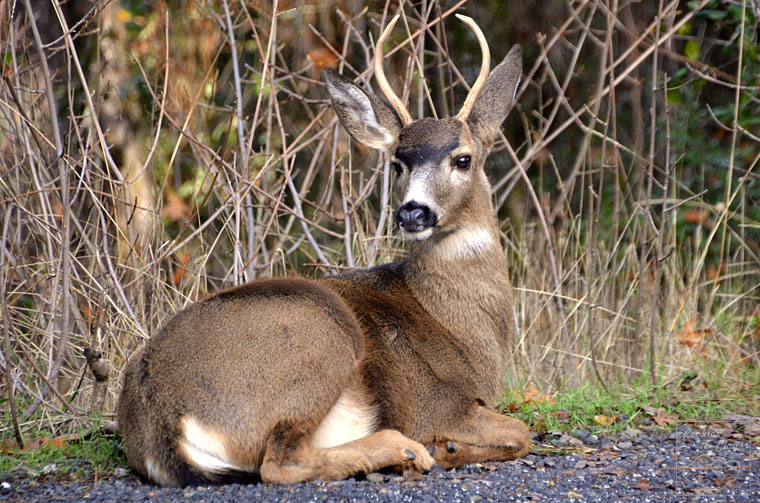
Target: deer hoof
{"x":451,"y":448}
{"x":432,"y":450}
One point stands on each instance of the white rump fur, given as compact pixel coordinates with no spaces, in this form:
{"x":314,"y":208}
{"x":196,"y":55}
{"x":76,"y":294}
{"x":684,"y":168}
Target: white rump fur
{"x":203,"y":448}
{"x":464,"y":243}
{"x":155,"y":473}
{"x":349,"y":419}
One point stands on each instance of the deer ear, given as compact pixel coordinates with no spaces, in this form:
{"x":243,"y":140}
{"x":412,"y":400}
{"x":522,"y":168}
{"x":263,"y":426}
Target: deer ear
{"x":367,"y":118}
{"x":495,"y":100}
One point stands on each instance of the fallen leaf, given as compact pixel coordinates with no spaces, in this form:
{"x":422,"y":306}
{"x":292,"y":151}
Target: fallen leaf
{"x":60,"y":441}
{"x":533,"y":396}
{"x":572,"y":494}
{"x":605,"y":420}
{"x":175,"y":207}
{"x":691,"y":337}
{"x":728,"y":481}
{"x":643,"y":484}
{"x":660,"y":416}
{"x":699,"y":216}
{"x":35,"y":443}
{"x":561,"y":415}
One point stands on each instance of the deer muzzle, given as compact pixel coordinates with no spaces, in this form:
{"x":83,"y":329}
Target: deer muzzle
{"x":415,"y":217}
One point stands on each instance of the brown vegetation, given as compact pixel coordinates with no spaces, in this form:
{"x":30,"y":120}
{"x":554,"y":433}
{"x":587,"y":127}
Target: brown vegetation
{"x":194,"y":148}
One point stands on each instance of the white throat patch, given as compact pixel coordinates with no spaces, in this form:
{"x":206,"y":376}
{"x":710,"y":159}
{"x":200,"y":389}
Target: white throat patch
{"x":464,"y":243}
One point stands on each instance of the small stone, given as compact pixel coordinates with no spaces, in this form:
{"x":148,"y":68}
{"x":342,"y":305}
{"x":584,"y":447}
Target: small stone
{"x":120,"y":472}
{"x":6,"y":486}
{"x":581,"y":434}
{"x":591,"y":440}
{"x":558,"y":442}
{"x":626,"y":444}
{"x":375,"y":477}
{"x":566,"y":440}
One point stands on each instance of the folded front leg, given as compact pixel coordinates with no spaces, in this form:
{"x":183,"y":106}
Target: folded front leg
{"x":291,"y":458}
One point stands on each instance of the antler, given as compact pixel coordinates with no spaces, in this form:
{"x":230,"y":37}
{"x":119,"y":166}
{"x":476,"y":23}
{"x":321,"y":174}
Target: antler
{"x":394,"y":100}
{"x":485,"y":67}
{"x":469,"y":102}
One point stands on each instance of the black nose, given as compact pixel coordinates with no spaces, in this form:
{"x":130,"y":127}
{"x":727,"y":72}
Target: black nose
{"x":415,"y":217}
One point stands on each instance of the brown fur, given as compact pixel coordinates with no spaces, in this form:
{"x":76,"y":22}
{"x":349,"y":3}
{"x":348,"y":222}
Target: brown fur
{"x":403,"y":356}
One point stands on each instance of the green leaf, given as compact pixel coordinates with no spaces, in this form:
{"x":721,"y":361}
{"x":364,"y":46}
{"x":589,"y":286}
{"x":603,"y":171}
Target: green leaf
{"x":716,"y":14}
{"x":674,"y":96}
{"x":691,"y":50}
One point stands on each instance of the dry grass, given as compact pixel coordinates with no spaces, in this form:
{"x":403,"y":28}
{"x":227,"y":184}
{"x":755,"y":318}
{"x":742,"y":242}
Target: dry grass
{"x":174,"y":170}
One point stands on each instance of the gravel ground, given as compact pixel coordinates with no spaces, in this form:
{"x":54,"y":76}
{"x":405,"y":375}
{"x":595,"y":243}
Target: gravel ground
{"x":685,"y":465}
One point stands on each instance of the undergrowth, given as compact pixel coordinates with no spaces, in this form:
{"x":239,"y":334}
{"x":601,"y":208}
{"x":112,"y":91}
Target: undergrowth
{"x":141,"y":171}
{"x":688,"y":399}
{"x":88,"y":454}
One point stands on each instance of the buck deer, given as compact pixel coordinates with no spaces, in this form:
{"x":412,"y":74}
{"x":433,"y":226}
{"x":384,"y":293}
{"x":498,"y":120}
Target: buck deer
{"x":396,"y":367}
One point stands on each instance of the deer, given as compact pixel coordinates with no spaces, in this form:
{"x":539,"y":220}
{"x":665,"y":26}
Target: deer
{"x":396,"y":367}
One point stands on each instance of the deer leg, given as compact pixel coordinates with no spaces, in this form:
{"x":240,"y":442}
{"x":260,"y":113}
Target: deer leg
{"x":484,"y":436}
{"x":289,"y":456}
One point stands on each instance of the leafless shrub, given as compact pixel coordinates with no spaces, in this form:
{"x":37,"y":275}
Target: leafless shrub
{"x":162,"y":155}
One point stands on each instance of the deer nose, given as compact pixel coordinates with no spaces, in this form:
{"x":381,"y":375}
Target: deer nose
{"x":415,"y":217}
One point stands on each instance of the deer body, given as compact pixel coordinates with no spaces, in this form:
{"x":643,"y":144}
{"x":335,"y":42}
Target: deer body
{"x":393,"y":367}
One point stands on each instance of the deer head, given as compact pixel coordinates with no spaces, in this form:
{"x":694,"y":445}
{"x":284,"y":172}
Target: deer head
{"x":438,"y":162}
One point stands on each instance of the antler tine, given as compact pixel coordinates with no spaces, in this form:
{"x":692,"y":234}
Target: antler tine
{"x":485,"y":67}
{"x":394,"y":100}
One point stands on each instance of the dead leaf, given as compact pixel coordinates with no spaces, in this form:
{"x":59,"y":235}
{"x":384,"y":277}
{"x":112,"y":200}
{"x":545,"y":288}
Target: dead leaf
{"x":175,"y":208}
{"x":533,"y":396}
{"x":322,"y":57}
{"x":712,"y":273}
{"x":728,"y":481}
{"x":34,"y":444}
{"x":561,"y":415}
{"x":572,"y":494}
{"x":691,"y":337}
{"x":605,"y":420}
{"x":643,"y":484}
{"x":660,"y":416}
{"x":60,"y":441}
{"x":530,"y":396}
{"x":179,"y":272}
{"x":699,"y":216}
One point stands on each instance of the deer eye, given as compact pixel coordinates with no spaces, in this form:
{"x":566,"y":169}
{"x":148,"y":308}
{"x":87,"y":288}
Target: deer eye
{"x":397,"y":167}
{"x":463,"y":162}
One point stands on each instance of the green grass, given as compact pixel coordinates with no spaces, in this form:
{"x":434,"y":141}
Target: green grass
{"x":691,"y":399}
{"x":92,"y":454}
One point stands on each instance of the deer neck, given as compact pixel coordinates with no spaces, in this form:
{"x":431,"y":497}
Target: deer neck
{"x":460,"y":278}
{"x":460,"y":275}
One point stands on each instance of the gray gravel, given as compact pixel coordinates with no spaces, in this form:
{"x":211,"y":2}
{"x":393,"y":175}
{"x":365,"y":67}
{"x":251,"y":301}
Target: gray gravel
{"x":686,"y":465}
